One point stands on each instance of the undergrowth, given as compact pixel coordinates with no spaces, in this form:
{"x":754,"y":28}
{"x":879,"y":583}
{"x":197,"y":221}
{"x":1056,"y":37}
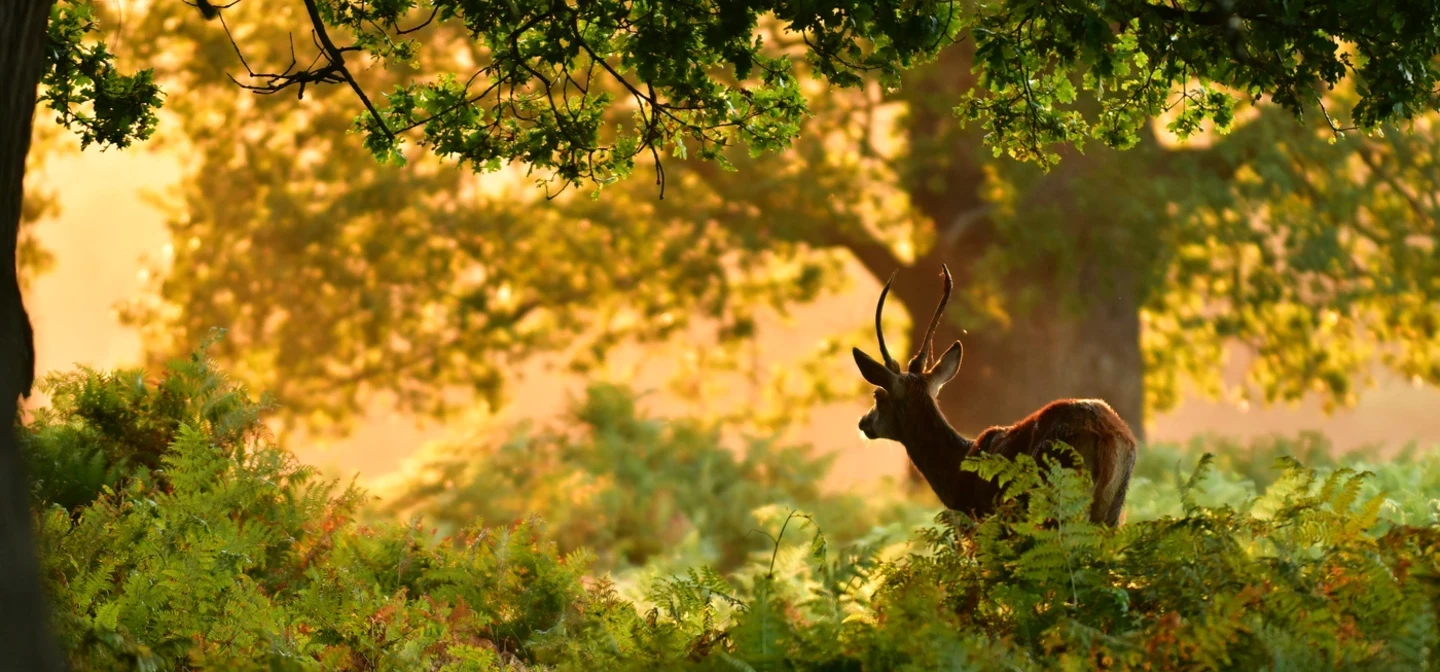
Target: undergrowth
{"x":177,"y":536}
{"x":642,"y":493}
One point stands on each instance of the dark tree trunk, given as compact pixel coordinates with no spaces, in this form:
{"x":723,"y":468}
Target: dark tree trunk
{"x":1045,"y":354}
{"x":1049,"y":350}
{"x":25,"y":640}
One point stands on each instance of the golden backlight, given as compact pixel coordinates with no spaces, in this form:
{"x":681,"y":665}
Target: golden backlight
{"x":105,"y":228}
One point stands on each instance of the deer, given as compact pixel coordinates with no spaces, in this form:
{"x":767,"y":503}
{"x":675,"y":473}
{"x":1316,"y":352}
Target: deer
{"x":907,"y":411}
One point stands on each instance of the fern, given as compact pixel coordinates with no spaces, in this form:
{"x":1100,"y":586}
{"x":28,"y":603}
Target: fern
{"x":177,"y":535}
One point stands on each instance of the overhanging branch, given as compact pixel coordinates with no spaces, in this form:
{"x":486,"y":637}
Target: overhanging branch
{"x":328,"y":67}
{"x":337,"y":60}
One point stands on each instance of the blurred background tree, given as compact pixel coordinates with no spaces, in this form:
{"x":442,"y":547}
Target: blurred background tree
{"x":39,"y":203}
{"x":1118,"y":274}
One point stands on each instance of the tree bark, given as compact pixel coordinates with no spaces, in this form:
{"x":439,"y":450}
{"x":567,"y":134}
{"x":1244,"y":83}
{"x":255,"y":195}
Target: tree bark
{"x":1044,"y":355}
{"x":25,"y":637}
{"x":1047,"y":351}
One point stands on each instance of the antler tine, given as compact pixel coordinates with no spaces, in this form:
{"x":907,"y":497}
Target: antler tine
{"x":890,"y":363}
{"x":927,"y":347}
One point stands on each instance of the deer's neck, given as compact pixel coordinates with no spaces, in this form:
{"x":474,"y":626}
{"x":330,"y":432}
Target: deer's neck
{"x":937,"y":451}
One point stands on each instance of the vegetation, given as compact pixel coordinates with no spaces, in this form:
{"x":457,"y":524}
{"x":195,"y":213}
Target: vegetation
{"x":789,"y":141}
{"x":419,"y":281}
{"x":582,"y":91}
{"x":176,"y":535}
{"x":635,"y":490}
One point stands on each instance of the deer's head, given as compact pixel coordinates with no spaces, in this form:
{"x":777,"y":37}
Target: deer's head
{"x":900,"y":395}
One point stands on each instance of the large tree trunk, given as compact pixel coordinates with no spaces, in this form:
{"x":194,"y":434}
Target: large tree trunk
{"x":1045,"y":354}
{"x":1047,"y":351}
{"x":25,"y":641}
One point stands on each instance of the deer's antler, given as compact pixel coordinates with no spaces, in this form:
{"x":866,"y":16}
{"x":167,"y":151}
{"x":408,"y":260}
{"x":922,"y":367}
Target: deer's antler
{"x":925,"y":353}
{"x":890,"y":362}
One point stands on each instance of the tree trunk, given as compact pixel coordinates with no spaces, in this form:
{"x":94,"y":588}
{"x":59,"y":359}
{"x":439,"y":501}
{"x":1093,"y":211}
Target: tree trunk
{"x":1048,"y":351}
{"x":24,"y":619}
{"x":1045,"y":354}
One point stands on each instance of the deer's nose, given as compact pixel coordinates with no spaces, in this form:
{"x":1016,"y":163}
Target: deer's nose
{"x":867,"y":425}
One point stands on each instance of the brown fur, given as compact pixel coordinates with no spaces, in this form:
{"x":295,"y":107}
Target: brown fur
{"x":906,"y":411}
{"x":1093,"y":429}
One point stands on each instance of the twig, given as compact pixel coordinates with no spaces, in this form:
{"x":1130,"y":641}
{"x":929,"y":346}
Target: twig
{"x":337,"y":60}
{"x":333,"y":71}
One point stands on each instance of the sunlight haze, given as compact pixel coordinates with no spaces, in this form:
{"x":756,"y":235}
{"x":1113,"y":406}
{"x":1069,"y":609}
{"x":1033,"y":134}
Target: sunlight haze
{"x":105,"y":227}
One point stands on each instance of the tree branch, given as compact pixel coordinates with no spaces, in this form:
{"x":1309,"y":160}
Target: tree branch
{"x":875,"y":256}
{"x":962,"y":223}
{"x":337,"y":60}
{"x":334,"y":71}
{"x":1385,"y":176}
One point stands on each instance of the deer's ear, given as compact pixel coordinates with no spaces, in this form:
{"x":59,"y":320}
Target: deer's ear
{"x":874,"y":372}
{"x":945,"y":369}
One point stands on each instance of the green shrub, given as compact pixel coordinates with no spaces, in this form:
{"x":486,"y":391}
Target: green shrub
{"x":633,"y":489}
{"x":1305,"y":585}
{"x":177,"y":536}
{"x":1410,"y":480}
{"x":215,"y":550}
{"x":102,"y":428}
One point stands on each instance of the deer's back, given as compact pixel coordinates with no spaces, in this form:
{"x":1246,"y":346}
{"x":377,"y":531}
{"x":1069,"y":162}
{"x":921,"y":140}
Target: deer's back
{"x":1103,"y":440}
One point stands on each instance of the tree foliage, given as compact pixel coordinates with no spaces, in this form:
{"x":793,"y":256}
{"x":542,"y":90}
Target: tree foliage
{"x":1138,"y":59}
{"x":86,"y":90}
{"x":1317,"y":254}
{"x":419,"y":280}
{"x":413,"y":280}
{"x":230,"y":555}
{"x":581,"y":91}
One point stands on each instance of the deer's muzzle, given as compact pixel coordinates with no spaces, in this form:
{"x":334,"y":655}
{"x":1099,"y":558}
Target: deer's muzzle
{"x":867,"y":426}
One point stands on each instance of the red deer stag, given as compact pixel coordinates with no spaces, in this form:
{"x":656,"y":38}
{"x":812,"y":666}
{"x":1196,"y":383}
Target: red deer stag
{"x":906,"y":410}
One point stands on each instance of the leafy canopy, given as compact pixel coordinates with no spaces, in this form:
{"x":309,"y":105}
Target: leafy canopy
{"x":86,"y":90}
{"x":579,"y":91}
{"x":415,"y":280}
